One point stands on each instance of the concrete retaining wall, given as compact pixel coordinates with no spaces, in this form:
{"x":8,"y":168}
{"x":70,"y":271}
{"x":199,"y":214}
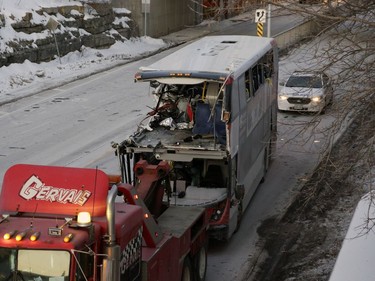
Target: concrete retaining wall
{"x":297,"y":33}
{"x":135,"y":6}
{"x":164,"y":17}
{"x":74,"y":30}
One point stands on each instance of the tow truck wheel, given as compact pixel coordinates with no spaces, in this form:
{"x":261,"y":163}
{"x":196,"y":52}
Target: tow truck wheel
{"x":200,"y":260}
{"x":187,"y":273}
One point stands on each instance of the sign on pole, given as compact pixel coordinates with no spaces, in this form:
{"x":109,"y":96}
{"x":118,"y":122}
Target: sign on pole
{"x":146,"y":6}
{"x":260,"y":19}
{"x":145,"y":10}
{"x":260,"y":16}
{"x":52,"y":26}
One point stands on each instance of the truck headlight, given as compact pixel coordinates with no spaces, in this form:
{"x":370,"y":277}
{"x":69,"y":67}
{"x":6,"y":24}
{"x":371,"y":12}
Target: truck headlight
{"x":84,"y":219}
{"x":283,"y":97}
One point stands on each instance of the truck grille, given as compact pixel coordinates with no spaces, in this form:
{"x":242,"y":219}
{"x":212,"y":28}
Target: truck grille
{"x":299,"y":100}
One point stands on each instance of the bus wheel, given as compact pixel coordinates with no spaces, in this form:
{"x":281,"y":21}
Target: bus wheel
{"x":200,"y":263}
{"x":239,"y":216}
{"x":187,"y":273}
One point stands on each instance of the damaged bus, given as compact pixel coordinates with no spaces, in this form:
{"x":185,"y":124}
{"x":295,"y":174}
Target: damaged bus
{"x":213,"y":123}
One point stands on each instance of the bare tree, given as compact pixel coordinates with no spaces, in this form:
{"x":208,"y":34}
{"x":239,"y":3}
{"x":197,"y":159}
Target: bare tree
{"x":345,"y":47}
{"x":222,"y":9}
{"x":307,"y":239}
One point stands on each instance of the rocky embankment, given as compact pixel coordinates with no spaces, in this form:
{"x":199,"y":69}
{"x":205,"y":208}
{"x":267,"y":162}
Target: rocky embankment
{"x":48,"y":32}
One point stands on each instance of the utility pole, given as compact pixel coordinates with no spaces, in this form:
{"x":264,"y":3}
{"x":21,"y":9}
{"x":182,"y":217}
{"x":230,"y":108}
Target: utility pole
{"x":269,"y":21}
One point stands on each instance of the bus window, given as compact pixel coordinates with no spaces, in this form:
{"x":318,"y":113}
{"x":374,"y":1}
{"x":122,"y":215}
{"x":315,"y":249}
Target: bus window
{"x":248,"y":87}
{"x":267,"y":71}
{"x":268,"y":65}
{"x":260,"y":73}
{"x":255,"y":83}
{"x":258,"y":76}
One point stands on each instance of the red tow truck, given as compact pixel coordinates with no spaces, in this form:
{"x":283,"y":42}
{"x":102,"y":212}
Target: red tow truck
{"x":80,"y":224}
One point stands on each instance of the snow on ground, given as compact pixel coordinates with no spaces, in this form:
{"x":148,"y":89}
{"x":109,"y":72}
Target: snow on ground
{"x":18,"y":80}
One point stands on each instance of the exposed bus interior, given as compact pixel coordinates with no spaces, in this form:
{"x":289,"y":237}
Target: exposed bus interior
{"x":186,"y":116}
{"x":187,"y":128}
{"x":201,"y":182}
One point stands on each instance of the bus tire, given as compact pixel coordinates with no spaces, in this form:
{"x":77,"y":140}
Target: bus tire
{"x":187,"y":272}
{"x":200,"y":264}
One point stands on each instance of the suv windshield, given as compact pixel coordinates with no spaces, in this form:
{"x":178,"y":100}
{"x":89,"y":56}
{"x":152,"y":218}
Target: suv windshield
{"x":304,"y":82}
{"x":41,"y":265}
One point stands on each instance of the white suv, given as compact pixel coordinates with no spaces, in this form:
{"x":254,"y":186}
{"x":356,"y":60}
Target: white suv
{"x":306,"y":91}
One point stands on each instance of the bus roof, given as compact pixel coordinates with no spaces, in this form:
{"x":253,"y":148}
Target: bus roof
{"x":211,"y":57}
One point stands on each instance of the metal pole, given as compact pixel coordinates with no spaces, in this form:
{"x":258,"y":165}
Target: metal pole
{"x":145,"y":22}
{"x":269,"y":21}
{"x":57,"y":46}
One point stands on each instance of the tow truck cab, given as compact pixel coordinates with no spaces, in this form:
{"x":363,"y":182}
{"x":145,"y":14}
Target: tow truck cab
{"x":59,"y":224}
